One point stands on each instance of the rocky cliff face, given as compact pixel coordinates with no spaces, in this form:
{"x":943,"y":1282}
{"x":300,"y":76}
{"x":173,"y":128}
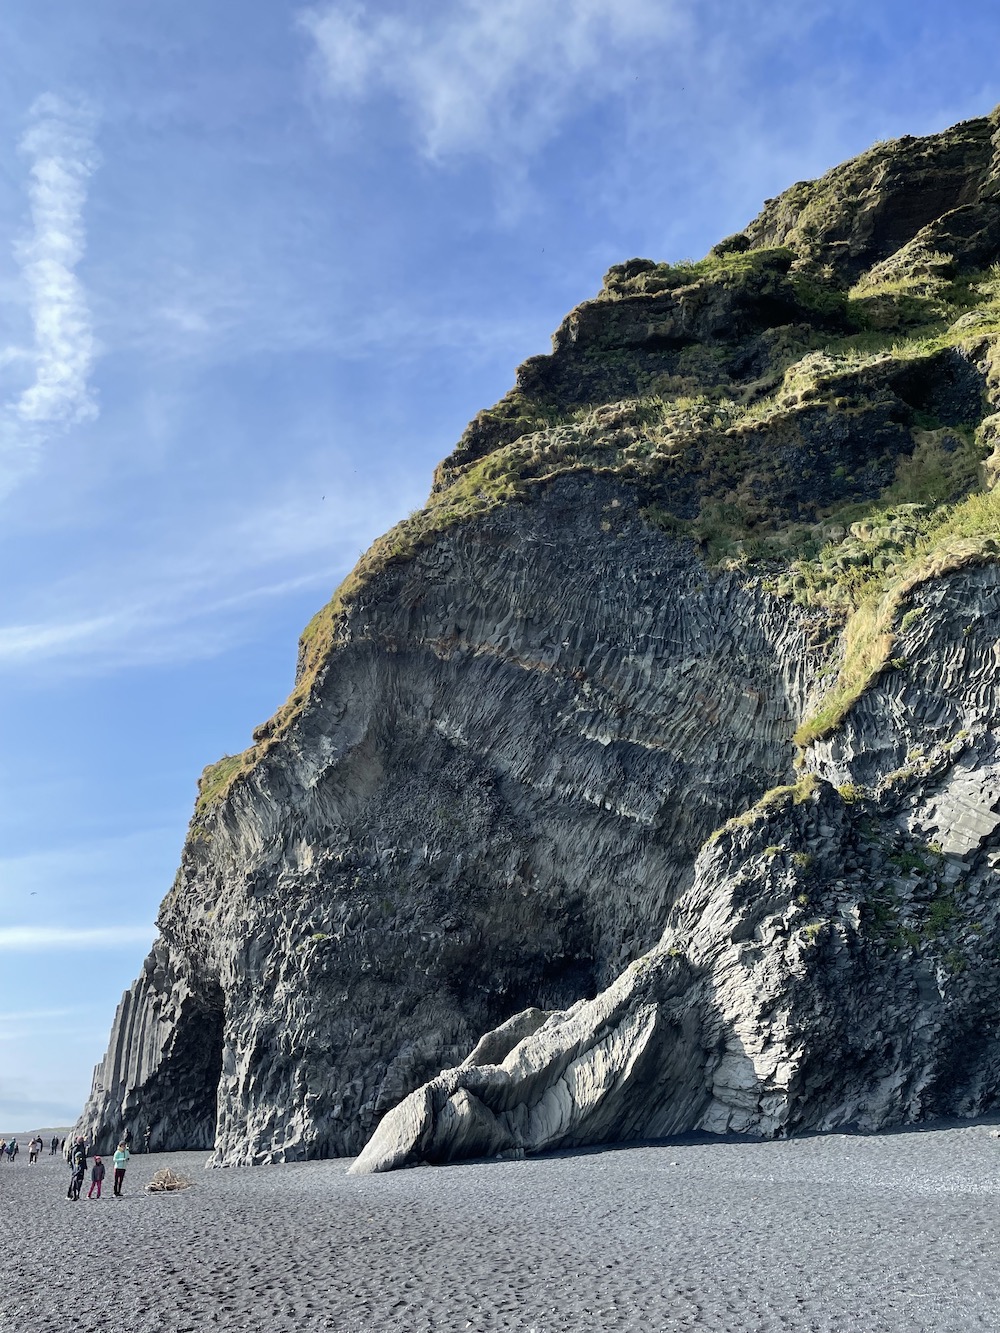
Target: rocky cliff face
{"x":658,"y":747}
{"x":834,"y":961}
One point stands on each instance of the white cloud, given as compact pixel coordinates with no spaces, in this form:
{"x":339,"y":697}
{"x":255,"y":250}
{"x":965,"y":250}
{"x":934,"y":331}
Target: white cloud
{"x":80,"y":867}
{"x":186,"y":319}
{"x":43,"y":939}
{"x":497,"y":77}
{"x":144,"y":633}
{"x":182,"y":601}
{"x":16,"y":1018}
{"x":708,"y":100}
{"x":59,"y":146}
{"x":53,"y":639}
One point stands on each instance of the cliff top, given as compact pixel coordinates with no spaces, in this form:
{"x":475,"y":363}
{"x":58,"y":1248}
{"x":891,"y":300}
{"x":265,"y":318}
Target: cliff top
{"x":815,"y":400}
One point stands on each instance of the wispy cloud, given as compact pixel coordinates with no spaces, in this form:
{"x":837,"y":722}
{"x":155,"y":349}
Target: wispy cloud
{"x":18,"y":642}
{"x":696,"y":95}
{"x":212,"y":319}
{"x":188,"y":601}
{"x":497,"y":77}
{"x":44,"y":939}
{"x":144,"y":632}
{"x":59,"y":147}
{"x":82,"y":865}
{"x":17,"y":1017}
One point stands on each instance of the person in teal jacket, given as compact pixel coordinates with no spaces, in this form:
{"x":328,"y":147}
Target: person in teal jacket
{"x":121,"y":1162}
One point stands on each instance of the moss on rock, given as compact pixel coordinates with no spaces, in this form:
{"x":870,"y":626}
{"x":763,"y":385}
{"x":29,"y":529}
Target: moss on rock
{"x":816,"y":400}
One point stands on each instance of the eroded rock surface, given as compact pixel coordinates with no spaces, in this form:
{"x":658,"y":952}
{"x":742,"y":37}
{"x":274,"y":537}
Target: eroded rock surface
{"x":519,"y":789}
{"x":495,"y":796}
{"x":833,"y":963}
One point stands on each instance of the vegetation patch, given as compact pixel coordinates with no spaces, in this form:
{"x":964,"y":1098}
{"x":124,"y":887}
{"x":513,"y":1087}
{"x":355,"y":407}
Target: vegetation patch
{"x":956,"y":537}
{"x":787,"y":438}
{"x":795,"y":793}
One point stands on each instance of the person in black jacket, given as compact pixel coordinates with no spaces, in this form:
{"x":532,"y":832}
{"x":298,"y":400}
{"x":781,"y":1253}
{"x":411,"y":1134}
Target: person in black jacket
{"x":78,"y":1164}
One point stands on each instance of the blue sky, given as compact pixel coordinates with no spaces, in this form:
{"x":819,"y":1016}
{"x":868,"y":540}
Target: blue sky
{"x":260,"y":263}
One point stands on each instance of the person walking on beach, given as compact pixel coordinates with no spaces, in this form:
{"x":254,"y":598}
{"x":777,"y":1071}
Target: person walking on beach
{"x":54,"y":1145}
{"x":34,"y":1148}
{"x":96,"y":1178}
{"x":78,"y":1163}
{"x":121,"y":1162}
{"x":12,"y":1150}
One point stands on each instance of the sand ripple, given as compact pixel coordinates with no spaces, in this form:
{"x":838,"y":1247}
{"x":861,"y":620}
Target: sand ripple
{"x":820,"y":1235}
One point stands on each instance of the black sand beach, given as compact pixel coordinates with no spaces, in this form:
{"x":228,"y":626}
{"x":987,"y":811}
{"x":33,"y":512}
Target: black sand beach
{"x":893,"y":1232}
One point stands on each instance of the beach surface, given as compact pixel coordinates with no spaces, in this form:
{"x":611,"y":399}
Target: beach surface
{"x":893,"y":1232}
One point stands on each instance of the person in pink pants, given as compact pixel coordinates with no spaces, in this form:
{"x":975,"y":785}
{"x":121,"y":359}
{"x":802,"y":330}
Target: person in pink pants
{"x":96,"y":1177}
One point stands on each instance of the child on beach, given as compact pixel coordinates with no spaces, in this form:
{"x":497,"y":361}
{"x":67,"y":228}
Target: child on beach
{"x":121,"y":1161}
{"x":96,"y":1177}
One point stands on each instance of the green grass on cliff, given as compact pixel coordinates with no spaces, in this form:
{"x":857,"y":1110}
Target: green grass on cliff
{"x":956,"y":536}
{"x":721,"y":445}
{"x":795,"y":793}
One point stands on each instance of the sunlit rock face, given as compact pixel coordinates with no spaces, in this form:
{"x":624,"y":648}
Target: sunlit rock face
{"x":834,"y":961}
{"x":510,"y":871}
{"x":494,"y":796}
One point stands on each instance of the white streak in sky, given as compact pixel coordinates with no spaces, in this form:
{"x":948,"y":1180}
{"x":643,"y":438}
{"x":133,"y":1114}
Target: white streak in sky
{"x":20,"y":1016}
{"x":60,"y":149}
{"x":34,"y":939}
{"x":29,"y":641}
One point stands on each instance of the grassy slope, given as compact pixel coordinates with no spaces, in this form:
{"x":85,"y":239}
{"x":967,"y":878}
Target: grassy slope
{"x":707,"y":448}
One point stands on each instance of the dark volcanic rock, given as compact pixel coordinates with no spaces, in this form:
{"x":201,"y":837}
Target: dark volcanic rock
{"x":538,"y":778}
{"x":793,"y":988}
{"x":492,"y":800}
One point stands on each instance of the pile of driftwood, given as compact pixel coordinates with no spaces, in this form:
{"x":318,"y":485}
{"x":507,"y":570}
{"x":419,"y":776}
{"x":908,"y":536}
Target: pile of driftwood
{"x":167,"y":1180}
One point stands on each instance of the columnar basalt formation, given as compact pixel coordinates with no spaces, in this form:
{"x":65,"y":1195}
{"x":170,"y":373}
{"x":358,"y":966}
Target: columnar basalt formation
{"x":833,"y":963}
{"x":658,"y":747}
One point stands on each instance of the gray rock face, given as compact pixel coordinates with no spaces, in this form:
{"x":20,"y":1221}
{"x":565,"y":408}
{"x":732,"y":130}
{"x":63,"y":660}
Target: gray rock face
{"x":496,"y":793}
{"x":833,"y":962}
{"x":538,"y":782}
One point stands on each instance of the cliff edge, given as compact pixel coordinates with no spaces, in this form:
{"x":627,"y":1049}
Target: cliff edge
{"x":645,"y":780}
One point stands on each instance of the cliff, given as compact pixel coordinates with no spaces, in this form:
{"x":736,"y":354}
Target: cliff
{"x":658,"y":747}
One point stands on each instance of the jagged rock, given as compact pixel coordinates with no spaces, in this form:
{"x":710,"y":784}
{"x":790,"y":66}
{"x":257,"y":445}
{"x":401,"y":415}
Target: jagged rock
{"x":711,"y":521}
{"x":792,"y":989}
{"x":474,"y":815}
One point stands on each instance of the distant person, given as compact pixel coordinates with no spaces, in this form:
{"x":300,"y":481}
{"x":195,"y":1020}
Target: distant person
{"x":54,"y":1145}
{"x":78,"y":1167}
{"x":96,"y":1178}
{"x":127,"y":1139}
{"x":121,"y":1162}
{"x":34,"y":1148}
{"x":145,"y":1139}
{"x":12,"y":1150}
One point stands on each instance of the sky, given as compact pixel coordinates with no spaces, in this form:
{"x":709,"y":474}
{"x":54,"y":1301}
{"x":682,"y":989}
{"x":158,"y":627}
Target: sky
{"x":260,"y":263}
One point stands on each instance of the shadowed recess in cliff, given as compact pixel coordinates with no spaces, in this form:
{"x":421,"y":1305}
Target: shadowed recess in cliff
{"x":744,"y":499}
{"x":160,"y":1077}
